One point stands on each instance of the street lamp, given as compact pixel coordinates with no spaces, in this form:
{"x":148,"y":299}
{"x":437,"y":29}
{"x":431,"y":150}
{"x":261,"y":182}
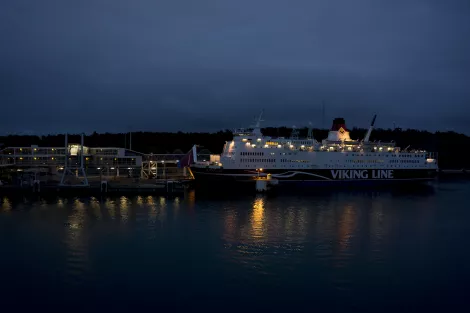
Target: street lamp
{"x":259,"y":170}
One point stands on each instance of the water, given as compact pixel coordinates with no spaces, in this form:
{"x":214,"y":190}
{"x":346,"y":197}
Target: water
{"x":341,"y":251}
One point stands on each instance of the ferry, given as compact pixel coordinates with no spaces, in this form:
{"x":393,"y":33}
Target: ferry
{"x":294,"y":160}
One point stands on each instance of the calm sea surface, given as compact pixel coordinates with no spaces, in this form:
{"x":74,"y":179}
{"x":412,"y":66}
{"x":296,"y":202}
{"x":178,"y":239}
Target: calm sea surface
{"x":338,"y":251}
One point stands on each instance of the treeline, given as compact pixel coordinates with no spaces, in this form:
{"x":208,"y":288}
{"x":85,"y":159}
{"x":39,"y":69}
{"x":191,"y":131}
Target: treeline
{"x":452,"y":147}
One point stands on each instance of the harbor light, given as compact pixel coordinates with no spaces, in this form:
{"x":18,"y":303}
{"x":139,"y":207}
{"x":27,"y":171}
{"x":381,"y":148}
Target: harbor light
{"x":112,"y":168}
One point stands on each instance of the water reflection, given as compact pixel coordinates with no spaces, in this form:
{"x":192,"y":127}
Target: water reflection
{"x":176,"y":207}
{"x":6,"y":205}
{"x":140,"y":201}
{"x":95,"y":207}
{"x":162,"y":209}
{"x":110,"y":205}
{"x":190,"y":199}
{"x":77,"y":245}
{"x":230,"y":225}
{"x":258,"y":231}
{"x":346,"y":228}
{"x":124,"y":209}
{"x":152,"y":217}
{"x":347,"y":223}
{"x":341,"y":243}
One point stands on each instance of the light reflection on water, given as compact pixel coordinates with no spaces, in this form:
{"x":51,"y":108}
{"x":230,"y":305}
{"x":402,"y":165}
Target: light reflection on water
{"x":96,"y":208}
{"x":76,"y":243}
{"x":6,"y":205}
{"x":258,"y":230}
{"x":329,"y":241}
{"x":110,"y":205}
{"x":124,"y":209}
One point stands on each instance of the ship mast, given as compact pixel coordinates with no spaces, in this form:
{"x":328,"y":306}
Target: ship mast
{"x":257,"y":126}
{"x":366,"y":139}
{"x":310,"y":131}
{"x":295,"y":133}
{"x":259,"y":120}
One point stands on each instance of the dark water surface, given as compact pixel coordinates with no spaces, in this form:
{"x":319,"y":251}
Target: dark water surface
{"x":338,"y":251}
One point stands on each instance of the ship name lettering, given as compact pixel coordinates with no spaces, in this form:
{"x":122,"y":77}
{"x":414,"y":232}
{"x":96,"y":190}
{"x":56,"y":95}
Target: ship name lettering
{"x":362,"y":174}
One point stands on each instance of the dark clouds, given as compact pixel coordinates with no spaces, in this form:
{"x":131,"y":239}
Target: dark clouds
{"x":211,"y":64}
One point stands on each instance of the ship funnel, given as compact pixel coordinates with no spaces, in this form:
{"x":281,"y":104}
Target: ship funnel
{"x":339,"y":123}
{"x":338,"y":131}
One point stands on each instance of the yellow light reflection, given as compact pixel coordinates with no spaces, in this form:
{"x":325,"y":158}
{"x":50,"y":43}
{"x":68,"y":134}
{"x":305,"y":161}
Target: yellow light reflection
{"x":176,"y":206}
{"x":258,"y":219}
{"x":162,"y":208}
{"x":6,"y":205}
{"x":152,"y":216}
{"x":111,"y":206}
{"x":190,"y":198}
{"x":124,"y":208}
{"x":96,"y":207}
{"x":76,"y":219}
{"x":150,"y":200}
{"x":140,"y":201}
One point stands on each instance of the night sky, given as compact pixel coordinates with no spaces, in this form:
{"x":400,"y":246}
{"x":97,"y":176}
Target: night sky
{"x":206,"y":65}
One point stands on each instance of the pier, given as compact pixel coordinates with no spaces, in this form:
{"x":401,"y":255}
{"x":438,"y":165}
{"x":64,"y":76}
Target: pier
{"x":99,"y":169}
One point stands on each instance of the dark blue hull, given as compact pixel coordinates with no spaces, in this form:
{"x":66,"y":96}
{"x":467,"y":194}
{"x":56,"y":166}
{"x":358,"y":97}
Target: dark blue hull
{"x":305,"y":179}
